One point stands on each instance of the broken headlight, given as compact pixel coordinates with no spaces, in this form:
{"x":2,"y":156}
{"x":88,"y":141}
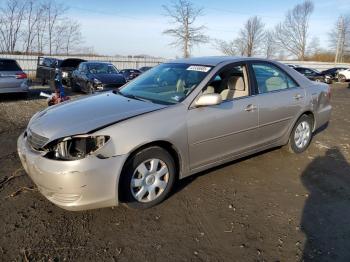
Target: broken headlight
{"x":74,"y":148}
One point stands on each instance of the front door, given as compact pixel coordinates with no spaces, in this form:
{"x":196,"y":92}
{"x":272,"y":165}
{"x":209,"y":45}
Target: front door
{"x":228,"y":129}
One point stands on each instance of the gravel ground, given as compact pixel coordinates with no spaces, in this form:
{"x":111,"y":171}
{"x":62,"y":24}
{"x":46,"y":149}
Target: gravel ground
{"x":274,"y":206}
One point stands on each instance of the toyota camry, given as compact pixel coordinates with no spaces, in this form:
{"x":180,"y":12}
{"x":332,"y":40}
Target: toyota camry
{"x":177,"y":119}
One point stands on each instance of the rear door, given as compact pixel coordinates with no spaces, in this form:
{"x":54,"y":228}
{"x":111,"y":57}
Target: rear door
{"x":10,"y":74}
{"x":279,"y":98}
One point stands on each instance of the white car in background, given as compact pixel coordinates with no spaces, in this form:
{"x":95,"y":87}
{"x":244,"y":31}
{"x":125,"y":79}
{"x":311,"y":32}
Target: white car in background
{"x":344,"y":75}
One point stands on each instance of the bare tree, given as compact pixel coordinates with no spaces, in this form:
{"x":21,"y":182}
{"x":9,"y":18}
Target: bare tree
{"x":11,"y":19}
{"x":72,"y":36}
{"x":231,"y":48}
{"x":33,"y":11}
{"x":292,"y":34}
{"x":54,"y":12}
{"x":41,"y":31}
{"x":67,"y":36}
{"x":270,"y":47}
{"x":339,"y":37}
{"x":252,"y":34}
{"x":183,"y":15}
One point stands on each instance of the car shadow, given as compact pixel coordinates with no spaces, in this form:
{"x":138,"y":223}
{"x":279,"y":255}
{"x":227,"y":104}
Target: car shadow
{"x":326,"y":214}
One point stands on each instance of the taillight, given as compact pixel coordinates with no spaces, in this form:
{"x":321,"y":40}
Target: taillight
{"x":21,"y":76}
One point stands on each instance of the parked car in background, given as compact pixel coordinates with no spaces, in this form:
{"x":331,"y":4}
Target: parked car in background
{"x":46,"y":67}
{"x":344,"y":75}
{"x":96,"y":76}
{"x":333,"y":72}
{"x":144,"y":68}
{"x":12,"y":77}
{"x":313,"y":74}
{"x":130,"y":74}
{"x":180,"y":118}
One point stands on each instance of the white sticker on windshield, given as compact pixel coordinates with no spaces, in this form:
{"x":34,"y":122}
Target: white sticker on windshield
{"x":199,"y":68}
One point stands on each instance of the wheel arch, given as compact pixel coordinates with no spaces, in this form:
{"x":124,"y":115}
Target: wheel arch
{"x":310,"y":114}
{"x":166,"y":145}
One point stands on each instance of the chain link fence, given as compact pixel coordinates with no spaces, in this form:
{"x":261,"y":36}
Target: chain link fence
{"x":29,"y":62}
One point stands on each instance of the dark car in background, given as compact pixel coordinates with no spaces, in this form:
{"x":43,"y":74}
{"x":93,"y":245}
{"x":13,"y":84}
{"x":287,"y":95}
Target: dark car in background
{"x":313,"y":75}
{"x":144,"y":68}
{"x":12,"y":77}
{"x":46,"y":67}
{"x":96,"y":76}
{"x":130,"y":74}
{"x":333,"y":72}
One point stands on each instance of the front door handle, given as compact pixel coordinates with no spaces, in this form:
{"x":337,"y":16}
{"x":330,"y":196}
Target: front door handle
{"x":298,"y":96}
{"x":250,"y":108}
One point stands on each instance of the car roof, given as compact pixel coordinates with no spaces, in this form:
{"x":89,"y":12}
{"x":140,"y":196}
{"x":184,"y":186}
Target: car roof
{"x":215,"y":60}
{"x":7,"y":59}
{"x":97,"y":62}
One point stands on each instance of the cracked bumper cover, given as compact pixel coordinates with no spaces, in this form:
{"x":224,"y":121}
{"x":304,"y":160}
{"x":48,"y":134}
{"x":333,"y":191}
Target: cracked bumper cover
{"x":73,"y":185}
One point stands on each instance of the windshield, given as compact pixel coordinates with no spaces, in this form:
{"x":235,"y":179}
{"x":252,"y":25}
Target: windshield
{"x":102,"y":69}
{"x":166,"y":83}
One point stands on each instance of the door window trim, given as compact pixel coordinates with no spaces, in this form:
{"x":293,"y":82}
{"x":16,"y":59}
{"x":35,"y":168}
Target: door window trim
{"x":234,"y":64}
{"x":256,"y":87}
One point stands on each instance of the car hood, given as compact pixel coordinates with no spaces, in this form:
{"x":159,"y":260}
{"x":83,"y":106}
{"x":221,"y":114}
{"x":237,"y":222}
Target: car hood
{"x":108,"y":78}
{"x":85,"y":115}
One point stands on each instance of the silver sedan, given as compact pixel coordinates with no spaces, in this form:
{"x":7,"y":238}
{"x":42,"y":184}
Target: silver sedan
{"x":177,"y":119}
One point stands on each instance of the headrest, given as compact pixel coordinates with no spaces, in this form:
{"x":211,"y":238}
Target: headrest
{"x":236,"y":83}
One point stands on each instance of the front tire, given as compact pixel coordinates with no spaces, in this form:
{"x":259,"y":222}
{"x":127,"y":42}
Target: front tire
{"x":301,"y":135}
{"x":90,"y":88}
{"x":342,"y":78}
{"x":147,"y":178}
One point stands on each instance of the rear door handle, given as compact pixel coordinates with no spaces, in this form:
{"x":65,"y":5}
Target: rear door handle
{"x":298,"y":96}
{"x":250,"y":108}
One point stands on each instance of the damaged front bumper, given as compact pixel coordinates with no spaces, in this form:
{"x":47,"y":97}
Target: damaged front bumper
{"x":73,"y":185}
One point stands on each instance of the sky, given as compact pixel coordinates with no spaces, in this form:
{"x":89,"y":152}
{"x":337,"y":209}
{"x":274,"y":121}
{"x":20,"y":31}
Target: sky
{"x":135,"y":26}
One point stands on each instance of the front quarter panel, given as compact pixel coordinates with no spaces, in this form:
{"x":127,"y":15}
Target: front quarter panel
{"x":168,"y":124}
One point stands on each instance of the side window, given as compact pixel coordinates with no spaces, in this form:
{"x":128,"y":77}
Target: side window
{"x":230,"y":82}
{"x":270,"y":78}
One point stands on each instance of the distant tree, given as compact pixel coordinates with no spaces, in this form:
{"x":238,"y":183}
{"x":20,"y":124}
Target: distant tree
{"x":270,"y":47}
{"x":183,"y":15}
{"x":252,"y":34}
{"x":54,"y":11}
{"x":313,"y":47}
{"x":292,"y":33}
{"x":11,"y":19}
{"x":69,"y":32}
{"x":33,"y":11}
{"x":339,"y":37}
{"x":236,"y":47}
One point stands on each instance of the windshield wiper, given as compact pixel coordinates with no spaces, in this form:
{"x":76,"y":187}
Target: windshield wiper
{"x":132,"y":96}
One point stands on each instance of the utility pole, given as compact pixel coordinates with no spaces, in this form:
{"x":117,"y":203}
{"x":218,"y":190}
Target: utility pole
{"x":340,"y":41}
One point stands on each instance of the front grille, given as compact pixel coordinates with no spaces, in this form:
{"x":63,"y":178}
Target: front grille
{"x":36,"y":141}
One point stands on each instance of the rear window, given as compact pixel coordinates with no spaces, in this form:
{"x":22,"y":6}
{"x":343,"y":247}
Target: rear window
{"x":9,"y":65}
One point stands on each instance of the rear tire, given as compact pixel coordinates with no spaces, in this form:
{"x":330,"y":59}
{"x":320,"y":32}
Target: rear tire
{"x":147,"y":178}
{"x":301,"y":135}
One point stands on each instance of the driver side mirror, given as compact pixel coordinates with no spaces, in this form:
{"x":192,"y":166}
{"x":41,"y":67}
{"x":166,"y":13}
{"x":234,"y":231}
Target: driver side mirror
{"x":208,"y":100}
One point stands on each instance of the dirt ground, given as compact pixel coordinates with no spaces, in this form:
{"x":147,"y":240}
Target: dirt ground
{"x":274,"y":206}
